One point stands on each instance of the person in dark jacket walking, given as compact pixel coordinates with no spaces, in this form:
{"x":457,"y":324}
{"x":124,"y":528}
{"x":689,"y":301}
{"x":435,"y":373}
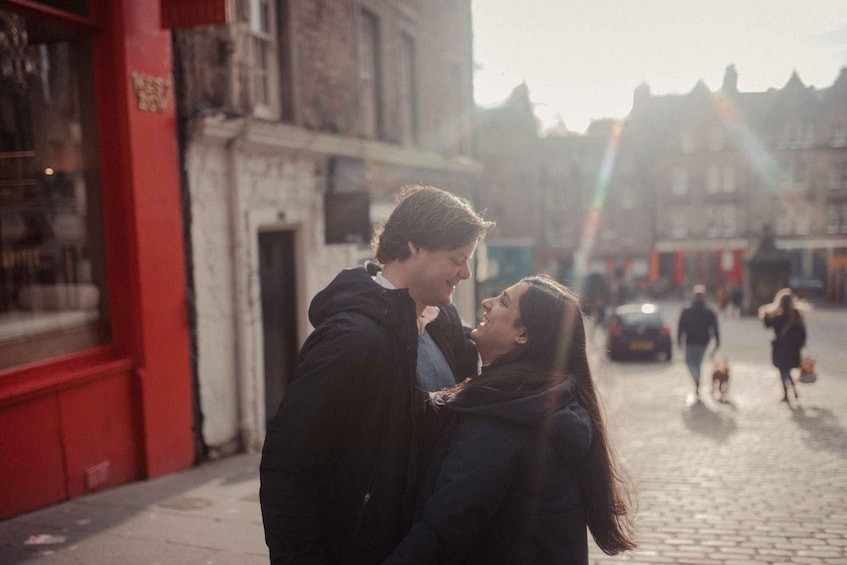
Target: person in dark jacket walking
{"x":697,"y":326}
{"x":521,"y":460}
{"x":337,"y":465}
{"x":789,"y":336}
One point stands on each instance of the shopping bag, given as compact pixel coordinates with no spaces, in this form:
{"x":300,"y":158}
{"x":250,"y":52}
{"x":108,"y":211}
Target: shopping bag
{"x":807,"y":370}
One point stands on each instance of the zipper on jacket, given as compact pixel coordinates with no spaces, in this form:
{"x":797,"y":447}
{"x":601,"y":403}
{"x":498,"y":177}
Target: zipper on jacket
{"x":367,"y":498}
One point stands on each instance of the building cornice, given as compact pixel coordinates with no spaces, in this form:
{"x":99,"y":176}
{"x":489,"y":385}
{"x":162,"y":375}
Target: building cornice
{"x":268,"y":136}
{"x":689,"y":245}
{"x":668,"y":245}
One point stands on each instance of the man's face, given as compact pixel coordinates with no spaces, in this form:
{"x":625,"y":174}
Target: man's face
{"x":435,"y":274}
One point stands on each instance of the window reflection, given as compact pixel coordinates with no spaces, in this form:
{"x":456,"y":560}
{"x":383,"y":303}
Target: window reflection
{"x":52,"y":272}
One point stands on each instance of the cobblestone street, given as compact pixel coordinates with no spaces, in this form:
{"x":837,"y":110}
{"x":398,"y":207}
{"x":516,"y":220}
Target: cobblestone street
{"x":751,"y":480}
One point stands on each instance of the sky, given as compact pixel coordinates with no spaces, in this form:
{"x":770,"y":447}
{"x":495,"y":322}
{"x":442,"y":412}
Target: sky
{"x":582,"y":59}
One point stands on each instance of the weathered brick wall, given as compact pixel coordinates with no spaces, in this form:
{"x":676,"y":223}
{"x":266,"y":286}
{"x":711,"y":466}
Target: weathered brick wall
{"x":324,"y":63}
{"x":325,"y":44}
{"x":204,"y":55}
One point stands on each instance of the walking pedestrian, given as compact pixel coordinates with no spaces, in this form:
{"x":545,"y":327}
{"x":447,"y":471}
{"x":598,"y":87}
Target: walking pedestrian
{"x":522,"y":461}
{"x":789,"y":336}
{"x":697,"y":326}
{"x":336,"y":470}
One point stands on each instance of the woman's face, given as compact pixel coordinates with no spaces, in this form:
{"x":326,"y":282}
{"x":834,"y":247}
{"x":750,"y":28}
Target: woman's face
{"x":500,"y":330}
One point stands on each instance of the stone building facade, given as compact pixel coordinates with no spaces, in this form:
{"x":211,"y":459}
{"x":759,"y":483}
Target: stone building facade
{"x":678,"y":191}
{"x":301,"y":120}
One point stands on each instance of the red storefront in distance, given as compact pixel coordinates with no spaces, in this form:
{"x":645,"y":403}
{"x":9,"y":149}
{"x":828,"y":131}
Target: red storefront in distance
{"x":95,"y":377}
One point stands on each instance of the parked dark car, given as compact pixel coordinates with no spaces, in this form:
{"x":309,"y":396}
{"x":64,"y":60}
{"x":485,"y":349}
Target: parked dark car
{"x":638,"y":330}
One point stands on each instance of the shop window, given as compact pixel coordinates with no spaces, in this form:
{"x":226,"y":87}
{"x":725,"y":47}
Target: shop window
{"x":265,"y":65}
{"x":53,"y":297}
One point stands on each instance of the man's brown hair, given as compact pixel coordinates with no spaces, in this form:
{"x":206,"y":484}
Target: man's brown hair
{"x":432,"y":219}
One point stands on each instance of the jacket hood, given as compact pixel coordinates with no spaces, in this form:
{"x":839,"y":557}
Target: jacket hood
{"x":355,"y":291}
{"x":549,"y":408}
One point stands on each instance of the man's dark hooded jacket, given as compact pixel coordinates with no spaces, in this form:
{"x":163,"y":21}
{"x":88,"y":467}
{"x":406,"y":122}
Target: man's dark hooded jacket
{"x":336,"y":471}
{"x":698,"y":323}
{"x":505,"y":491}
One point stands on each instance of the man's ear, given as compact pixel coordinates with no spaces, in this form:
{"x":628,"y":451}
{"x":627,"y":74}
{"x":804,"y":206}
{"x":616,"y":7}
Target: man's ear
{"x":413,"y":249}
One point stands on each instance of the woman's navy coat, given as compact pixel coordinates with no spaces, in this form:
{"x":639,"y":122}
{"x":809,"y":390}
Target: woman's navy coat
{"x":505,"y":491}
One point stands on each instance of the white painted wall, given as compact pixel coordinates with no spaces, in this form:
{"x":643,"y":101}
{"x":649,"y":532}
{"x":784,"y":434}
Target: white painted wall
{"x":238,"y":190}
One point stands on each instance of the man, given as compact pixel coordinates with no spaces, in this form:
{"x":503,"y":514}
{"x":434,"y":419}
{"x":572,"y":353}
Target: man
{"x":337,"y":471}
{"x":698,"y":324}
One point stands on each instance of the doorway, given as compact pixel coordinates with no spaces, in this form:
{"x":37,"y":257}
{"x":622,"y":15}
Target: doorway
{"x":279,"y":314}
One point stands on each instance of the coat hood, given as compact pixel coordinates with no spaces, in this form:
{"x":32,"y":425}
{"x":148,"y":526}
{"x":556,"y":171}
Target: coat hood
{"x":355,"y":291}
{"x":549,"y":407}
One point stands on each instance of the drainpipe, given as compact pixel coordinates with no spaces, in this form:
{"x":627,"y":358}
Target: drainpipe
{"x":201,"y":450}
{"x":247,"y":381}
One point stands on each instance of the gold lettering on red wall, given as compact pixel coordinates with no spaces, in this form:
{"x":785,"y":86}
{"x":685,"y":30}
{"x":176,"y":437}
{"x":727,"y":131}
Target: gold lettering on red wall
{"x":152,"y":93}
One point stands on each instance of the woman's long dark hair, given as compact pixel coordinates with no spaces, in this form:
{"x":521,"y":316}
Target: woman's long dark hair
{"x":556,"y":345}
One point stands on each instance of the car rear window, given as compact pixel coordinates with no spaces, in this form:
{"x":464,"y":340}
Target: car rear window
{"x":641,"y":319}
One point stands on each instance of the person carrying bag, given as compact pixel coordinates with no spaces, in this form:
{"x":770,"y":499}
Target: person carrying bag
{"x":790,"y":336}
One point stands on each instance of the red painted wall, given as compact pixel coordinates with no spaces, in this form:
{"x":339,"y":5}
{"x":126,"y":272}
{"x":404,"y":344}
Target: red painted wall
{"x":123,"y":411}
{"x":158,"y":275}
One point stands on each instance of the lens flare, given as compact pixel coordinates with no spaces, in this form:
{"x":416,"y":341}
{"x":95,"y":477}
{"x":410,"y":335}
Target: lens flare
{"x":592,"y":220}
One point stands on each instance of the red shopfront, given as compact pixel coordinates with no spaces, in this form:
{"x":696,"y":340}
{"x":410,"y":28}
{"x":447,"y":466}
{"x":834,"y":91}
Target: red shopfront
{"x":95,"y":378}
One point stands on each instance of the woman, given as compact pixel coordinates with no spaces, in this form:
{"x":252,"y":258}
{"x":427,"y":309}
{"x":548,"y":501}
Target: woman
{"x":789,"y":336}
{"x":521,"y":462}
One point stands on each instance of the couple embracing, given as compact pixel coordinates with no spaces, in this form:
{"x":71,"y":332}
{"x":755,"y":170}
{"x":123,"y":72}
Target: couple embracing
{"x":377,"y":455}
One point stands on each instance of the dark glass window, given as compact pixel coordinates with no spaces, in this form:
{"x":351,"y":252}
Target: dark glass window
{"x":53,"y":297}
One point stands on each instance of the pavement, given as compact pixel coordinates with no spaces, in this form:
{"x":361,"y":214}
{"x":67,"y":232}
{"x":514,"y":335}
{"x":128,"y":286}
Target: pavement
{"x":207,"y":515}
{"x":747,"y":480}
